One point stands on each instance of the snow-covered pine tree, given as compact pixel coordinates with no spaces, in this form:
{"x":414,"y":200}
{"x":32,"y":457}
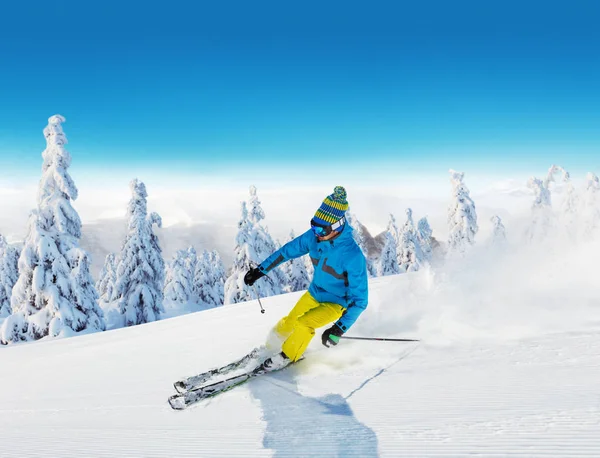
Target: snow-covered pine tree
{"x":217,"y":278}
{"x":388,"y":261}
{"x":296,"y":272}
{"x":54,"y":294}
{"x":203,"y":280}
{"x":255,"y":212}
{"x":209,"y":280}
{"x":200,"y":276}
{"x":552,"y":172}
{"x":253,"y":245}
{"x":462,"y":217}
{"x":245,"y":257}
{"x":360,"y":239}
{"x":570,"y":205}
{"x":410,"y":256}
{"x":394,"y":231}
{"x":263,"y":243}
{"x":141,"y":269}
{"x":249,"y":251}
{"x":191,"y":261}
{"x":83,"y":288}
{"x":108,"y":276}
{"x":235,"y":288}
{"x":178,"y":281}
{"x":498,"y":231}
{"x":9,"y":272}
{"x":541,"y":210}
{"x":424,"y":234}
{"x":591,"y":210}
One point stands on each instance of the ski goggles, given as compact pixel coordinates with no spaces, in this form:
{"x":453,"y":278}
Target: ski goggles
{"x":322,"y":230}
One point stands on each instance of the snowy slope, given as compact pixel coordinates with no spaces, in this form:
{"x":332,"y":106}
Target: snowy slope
{"x":506,"y":386}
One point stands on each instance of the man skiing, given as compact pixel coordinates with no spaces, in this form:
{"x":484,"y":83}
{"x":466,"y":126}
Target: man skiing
{"x":339,"y":289}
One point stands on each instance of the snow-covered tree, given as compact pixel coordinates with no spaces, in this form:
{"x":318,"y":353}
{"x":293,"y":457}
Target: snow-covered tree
{"x":553,"y":171}
{"x":541,"y":210}
{"x":498,"y":231}
{"x":191,"y":261}
{"x":296,"y":273}
{"x":209,"y":280}
{"x":388,"y":261}
{"x":394,"y":231}
{"x":568,"y":207}
{"x":9,"y":272}
{"x":263,"y":243}
{"x":424,"y":234}
{"x":591,"y":208}
{"x":255,"y":212}
{"x":108,"y":276}
{"x":54,"y":294}
{"x":83,"y":288}
{"x":218,"y":278}
{"x":253,"y":245}
{"x":141,"y":269}
{"x":462,"y":217}
{"x":570,"y":204}
{"x":409,"y":253}
{"x":249,"y":251}
{"x":244,"y":258}
{"x":178,"y":280}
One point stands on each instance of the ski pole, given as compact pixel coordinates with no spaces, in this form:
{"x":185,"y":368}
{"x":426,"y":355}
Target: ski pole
{"x":380,"y":339}
{"x":262,"y":310}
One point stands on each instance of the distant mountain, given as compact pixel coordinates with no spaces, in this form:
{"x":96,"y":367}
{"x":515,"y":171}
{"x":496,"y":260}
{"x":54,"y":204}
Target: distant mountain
{"x":374,"y":245}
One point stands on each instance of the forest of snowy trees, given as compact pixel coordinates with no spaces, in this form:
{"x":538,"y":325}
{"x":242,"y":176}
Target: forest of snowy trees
{"x":47,"y":290}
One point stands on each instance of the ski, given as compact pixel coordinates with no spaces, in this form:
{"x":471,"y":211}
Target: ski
{"x":195,"y":381}
{"x":181,"y":401}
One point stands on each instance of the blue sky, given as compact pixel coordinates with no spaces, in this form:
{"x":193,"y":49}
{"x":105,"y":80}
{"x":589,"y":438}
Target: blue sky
{"x":223,"y":87}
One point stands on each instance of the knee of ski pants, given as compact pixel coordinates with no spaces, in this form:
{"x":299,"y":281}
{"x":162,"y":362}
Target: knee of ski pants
{"x":305,"y":305}
{"x":305,"y":325}
{"x":286,"y":325}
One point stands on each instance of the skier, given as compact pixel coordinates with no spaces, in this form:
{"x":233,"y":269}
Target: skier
{"x":339,"y":289}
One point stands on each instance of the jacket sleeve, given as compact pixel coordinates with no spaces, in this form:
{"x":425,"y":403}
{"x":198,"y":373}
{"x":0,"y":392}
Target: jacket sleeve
{"x":291,"y":250}
{"x":358,"y":292}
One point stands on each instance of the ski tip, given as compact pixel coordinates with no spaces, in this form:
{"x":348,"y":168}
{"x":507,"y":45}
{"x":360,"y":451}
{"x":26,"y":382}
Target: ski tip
{"x":179,"y":387}
{"x":177,"y":402}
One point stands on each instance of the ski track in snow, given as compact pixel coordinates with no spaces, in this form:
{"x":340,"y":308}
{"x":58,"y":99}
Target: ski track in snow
{"x":105,"y":395}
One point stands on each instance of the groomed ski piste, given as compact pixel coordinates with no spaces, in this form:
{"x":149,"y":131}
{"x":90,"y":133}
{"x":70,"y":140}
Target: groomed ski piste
{"x":509,"y":365}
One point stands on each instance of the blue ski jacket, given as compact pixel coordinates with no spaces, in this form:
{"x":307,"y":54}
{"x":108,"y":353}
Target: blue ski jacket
{"x":340,"y":271}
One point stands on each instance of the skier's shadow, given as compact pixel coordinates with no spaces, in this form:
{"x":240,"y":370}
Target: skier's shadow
{"x":302,"y":426}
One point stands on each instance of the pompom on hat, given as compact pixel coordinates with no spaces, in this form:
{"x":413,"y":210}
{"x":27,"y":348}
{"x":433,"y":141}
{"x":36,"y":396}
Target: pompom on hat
{"x":333,"y":208}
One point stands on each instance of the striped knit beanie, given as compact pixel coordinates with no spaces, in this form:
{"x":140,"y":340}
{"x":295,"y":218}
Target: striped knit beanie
{"x":333,"y":207}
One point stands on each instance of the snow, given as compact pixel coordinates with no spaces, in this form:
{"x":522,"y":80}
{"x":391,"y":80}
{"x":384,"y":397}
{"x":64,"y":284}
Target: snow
{"x":508,"y":366}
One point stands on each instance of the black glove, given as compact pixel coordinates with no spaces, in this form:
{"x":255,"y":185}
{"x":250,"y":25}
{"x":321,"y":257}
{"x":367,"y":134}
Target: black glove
{"x":332,"y":335}
{"x":252,"y":275}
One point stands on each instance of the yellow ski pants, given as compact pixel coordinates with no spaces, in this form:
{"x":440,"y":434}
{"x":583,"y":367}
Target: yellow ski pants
{"x":298,"y":328}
